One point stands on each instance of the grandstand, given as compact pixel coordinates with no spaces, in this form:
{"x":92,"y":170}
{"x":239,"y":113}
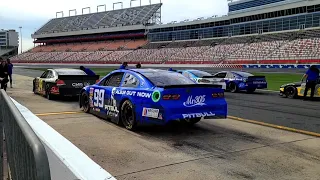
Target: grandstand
{"x":253,"y":32}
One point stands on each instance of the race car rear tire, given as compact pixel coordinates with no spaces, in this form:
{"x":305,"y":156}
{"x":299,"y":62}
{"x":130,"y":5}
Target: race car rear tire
{"x":33,"y":88}
{"x":192,"y":121}
{"x":48,"y":94}
{"x":290,"y":92}
{"x":233,"y":87}
{"x":127,"y":115}
{"x":85,"y":102}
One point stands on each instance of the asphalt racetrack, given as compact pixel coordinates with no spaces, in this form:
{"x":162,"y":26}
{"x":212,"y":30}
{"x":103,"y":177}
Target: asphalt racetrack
{"x":263,"y":106}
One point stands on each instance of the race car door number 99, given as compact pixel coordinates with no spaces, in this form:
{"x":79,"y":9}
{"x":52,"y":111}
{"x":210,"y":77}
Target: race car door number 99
{"x":98,"y":99}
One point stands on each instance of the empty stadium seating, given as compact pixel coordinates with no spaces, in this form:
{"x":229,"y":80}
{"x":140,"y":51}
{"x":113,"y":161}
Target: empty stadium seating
{"x":122,"y":17}
{"x":294,"y":47}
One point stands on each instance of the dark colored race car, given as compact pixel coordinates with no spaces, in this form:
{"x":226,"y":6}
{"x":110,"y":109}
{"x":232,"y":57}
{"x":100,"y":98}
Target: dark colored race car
{"x":296,"y":89}
{"x":152,"y":96}
{"x":241,"y":81}
{"x":62,"y":82}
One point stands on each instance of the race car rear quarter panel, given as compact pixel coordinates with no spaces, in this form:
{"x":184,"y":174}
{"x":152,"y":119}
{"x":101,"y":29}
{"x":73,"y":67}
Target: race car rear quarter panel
{"x":259,"y":83}
{"x":301,"y":89}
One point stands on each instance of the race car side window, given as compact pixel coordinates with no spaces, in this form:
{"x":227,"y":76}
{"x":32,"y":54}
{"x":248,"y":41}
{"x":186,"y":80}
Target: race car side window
{"x":114,"y":80}
{"x":220,"y":75}
{"x":130,"y":81}
{"x":230,"y":76}
{"x":50,"y":74}
{"x":44,"y":75}
{"x":186,"y":74}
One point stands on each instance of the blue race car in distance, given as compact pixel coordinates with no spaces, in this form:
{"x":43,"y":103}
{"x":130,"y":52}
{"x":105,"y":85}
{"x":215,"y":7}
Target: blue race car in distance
{"x":241,"y":81}
{"x":150,"y":96}
{"x":202,"y":77}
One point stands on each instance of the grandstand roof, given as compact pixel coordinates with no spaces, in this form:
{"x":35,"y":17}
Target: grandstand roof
{"x":121,"y":17}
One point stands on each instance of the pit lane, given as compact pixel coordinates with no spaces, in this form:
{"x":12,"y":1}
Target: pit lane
{"x":213,"y":149}
{"x":264,"y":106}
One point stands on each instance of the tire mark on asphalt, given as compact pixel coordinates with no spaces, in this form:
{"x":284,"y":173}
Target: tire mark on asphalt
{"x":209,"y":155}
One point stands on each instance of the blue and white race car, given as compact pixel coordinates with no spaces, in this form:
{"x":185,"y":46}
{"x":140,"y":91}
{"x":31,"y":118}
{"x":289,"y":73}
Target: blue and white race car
{"x":241,"y":81}
{"x":149,"y":96}
{"x":202,"y":77}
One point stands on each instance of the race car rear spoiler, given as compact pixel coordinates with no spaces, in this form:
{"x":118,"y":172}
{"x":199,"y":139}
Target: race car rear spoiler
{"x":251,"y":77}
{"x":191,"y":86}
{"x":78,"y":77}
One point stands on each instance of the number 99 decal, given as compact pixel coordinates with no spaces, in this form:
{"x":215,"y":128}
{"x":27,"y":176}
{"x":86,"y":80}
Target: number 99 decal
{"x":98,"y":98}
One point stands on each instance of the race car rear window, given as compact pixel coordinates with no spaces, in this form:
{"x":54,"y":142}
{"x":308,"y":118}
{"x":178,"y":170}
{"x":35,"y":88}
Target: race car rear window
{"x":200,"y":73}
{"x":244,"y":74}
{"x":71,"y":72}
{"x":167,"y":78}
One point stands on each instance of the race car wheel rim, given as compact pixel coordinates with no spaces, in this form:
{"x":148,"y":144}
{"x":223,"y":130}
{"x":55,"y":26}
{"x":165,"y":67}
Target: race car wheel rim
{"x":127,"y":115}
{"x":85,"y":103}
{"x":233,"y":87}
{"x":290,"y":92}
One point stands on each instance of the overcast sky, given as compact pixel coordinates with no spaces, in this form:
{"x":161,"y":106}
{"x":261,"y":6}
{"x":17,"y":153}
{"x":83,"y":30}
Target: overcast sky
{"x":32,"y":14}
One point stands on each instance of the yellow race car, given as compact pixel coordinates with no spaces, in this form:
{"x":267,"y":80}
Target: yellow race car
{"x":294,"y":90}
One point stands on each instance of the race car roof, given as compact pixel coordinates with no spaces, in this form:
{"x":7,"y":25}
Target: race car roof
{"x":69,"y":71}
{"x":143,"y":71}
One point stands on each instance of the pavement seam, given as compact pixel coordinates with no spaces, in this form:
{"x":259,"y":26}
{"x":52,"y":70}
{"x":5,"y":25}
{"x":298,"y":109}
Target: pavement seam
{"x":59,"y":113}
{"x":275,"y":126}
{"x":207,"y":156}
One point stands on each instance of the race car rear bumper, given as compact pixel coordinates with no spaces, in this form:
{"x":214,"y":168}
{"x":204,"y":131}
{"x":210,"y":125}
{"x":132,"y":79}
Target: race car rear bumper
{"x":161,"y":116}
{"x":71,"y":92}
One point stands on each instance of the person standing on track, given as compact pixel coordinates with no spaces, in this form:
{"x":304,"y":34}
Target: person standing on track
{"x":87,"y":71}
{"x":10,"y":68}
{"x":3,"y":74}
{"x":124,"y":65}
{"x":138,"y":65}
{"x":312,"y":76}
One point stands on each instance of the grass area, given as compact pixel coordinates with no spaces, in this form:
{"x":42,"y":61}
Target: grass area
{"x":275,"y":80}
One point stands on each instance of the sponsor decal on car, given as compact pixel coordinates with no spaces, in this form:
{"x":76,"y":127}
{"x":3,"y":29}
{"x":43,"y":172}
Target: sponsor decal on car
{"x":91,"y":97}
{"x":134,"y":93}
{"x":111,"y":107}
{"x":150,"y":112}
{"x":197,"y":115}
{"x":195,"y":101}
{"x":112,"y":111}
{"x":77,"y":85}
{"x":259,"y":82}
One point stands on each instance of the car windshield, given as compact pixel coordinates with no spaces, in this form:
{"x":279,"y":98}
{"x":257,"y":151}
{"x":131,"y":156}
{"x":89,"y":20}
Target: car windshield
{"x":244,"y":74}
{"x":200,"y":74}
{"x":70,"y":72}
{"x":167,"y":78}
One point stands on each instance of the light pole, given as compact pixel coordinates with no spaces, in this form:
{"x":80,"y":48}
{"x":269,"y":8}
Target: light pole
{"x":21,"y":37}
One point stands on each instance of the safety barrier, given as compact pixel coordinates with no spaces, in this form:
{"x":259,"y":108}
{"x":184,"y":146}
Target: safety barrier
{"x":36,"y":151}
{"x":67,"y":162}
{"x":26,"y":155}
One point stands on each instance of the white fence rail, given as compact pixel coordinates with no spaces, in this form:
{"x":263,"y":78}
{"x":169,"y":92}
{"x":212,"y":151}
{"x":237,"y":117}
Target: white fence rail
{"x":66,"y":161}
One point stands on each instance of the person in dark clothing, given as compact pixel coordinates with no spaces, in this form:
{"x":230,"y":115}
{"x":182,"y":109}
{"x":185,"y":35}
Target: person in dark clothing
{"x":10,"y":68}
{"x":312,"y":76}
{"x":3,"y":74}
{"x":124,"y":65}
{"x":87,"y":71}
{"x":138,"y":65}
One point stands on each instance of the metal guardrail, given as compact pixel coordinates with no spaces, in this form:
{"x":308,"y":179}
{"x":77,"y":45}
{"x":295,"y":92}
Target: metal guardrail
{"x":26,"y":154}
